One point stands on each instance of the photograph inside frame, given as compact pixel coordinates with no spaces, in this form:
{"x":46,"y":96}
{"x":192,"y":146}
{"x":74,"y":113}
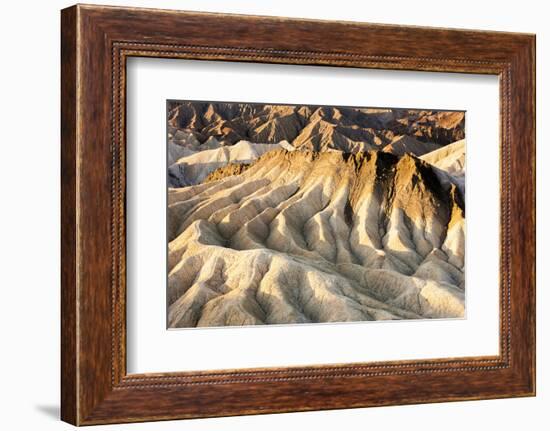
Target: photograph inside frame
{"x":291,"y":214}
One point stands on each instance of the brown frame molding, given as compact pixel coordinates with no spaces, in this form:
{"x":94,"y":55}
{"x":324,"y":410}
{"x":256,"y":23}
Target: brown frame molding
{"x":95,"y":43}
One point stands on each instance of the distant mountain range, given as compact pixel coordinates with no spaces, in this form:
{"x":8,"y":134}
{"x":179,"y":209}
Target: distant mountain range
{"x":194,"y":124}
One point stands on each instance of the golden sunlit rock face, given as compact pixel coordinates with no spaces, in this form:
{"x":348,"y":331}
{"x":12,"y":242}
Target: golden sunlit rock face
{"x":304,"y":214}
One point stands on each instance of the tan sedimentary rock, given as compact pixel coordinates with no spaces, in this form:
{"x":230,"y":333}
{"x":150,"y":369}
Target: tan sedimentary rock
{"x":304,"y":236}
{"x":226,"y":171}
{"x":449,"y":163}
{"x":403,"y":144}
{"x":196,"y":166}
{"x":450,"y":158}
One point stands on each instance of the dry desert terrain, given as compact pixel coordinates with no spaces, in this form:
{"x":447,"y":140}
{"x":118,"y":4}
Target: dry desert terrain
{"x":303,"y":214}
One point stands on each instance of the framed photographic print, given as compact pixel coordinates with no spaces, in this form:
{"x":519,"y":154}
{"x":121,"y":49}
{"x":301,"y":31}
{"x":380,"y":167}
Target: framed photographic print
{"x":292,"y":215}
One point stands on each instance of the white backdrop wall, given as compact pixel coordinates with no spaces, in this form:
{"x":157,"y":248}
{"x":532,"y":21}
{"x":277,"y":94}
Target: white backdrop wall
{"x":29,"y":219}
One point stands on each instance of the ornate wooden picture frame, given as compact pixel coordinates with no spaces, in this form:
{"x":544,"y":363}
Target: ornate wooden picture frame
{"x":96,"y":41}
